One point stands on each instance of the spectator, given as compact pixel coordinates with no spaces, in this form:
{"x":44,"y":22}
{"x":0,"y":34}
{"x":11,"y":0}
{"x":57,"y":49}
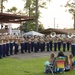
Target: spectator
{"x":71,"y":61}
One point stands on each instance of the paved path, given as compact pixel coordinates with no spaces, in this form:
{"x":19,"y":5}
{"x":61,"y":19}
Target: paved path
{"x":34,"y":55}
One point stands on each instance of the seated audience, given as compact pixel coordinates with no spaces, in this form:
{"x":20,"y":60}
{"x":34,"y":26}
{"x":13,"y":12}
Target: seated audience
{"x":71,"y":61}
{"x":49,"y":63}
{"x":60,"y":54}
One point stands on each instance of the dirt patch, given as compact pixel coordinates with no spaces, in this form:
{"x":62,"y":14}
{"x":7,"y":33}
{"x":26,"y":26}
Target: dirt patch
{"x":34,"y":55}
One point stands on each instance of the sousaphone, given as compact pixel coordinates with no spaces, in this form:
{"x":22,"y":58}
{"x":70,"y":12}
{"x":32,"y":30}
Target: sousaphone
{"x":53,"y":34}
{"x":70,"y":35}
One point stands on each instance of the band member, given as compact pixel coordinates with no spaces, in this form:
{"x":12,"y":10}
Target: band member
{"x":11,"y":44}
{"x":4,"y":46}
{"x":16,"y":46}
{"x":68,"y":43}
{"x":50,"y":43}
{"x":25,"y":44}
{"x":1,"y":48}
{"x":29,"y":45}
{"x":59,"y":43}
{"x":32,"y":43}
{"x":35,"y":45}
{"x":73,"y":46}
{"x":47,"y":43}
{"x":22,"y":44}
{"x":42,"y":44}
{"x":64,"y":44}
{"x":55,"y":44}
{"x":7,"y":46}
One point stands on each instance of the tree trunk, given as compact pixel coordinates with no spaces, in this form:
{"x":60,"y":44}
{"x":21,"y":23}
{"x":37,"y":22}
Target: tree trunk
{"x":74,"y":21}
{"x":1,"y":11}
{"x":36,"y":22}
{"x":1,"y":6}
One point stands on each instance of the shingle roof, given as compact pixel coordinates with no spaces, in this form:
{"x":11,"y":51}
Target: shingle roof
{"x":13,"y":18}
{"x":58,"y":31}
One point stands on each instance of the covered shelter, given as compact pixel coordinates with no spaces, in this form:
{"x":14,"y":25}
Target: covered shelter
{"x":33,"y":33}
{"x":58,"y":31}
{"x":13,"y":18}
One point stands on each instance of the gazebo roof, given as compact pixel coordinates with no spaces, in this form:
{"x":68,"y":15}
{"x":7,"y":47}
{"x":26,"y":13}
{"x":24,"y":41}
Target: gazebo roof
{"x":13,"y":18}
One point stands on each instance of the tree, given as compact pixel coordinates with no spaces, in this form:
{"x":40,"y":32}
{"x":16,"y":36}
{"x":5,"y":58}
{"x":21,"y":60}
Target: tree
{"x":71,"y":8}
{"x":1,"y":8}
{"x":32,"y":8}
{"x":13,"y":10}
{"x":1,"y":5}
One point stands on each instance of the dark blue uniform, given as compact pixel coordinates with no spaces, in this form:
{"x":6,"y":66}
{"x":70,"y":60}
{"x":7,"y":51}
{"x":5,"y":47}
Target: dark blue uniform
{"x":64,"y":46}
{"x":59,"y":45}
{"x":22,"y":47}
{"x":73,"y":49}
{"x":16,"y":48}
{"x":1,"y":48}
{"x":11,"y":44}
{"x":7,"y":49}
{"x":29,"y":46}
{"x":50,"y":45}
{"x":4,"y":49}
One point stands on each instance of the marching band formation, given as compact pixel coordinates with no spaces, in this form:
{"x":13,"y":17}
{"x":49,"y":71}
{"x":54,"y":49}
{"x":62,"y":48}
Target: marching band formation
{"x":12,"y":44}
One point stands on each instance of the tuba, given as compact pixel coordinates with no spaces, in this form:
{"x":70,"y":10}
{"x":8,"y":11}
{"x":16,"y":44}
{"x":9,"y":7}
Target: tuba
{"x":70,"y":35}
{"x":53,"y":34}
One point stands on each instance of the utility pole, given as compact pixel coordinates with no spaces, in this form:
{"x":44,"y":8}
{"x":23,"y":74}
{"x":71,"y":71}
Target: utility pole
{"x":54,"y":22}
{"x":74,"y":16}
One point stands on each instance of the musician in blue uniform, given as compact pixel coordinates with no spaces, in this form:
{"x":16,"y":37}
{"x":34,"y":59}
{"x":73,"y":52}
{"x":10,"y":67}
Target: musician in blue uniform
{"x":55,"y":43}
{"x":35,"y":45}
{"x":59,"y":43}
{"x":29,"y":45}
{"x":73,"y":46}
{"x":68,"y":43}
{"x":7,"y":46}
{"x":47,"y":43}
{"x":64,"y":44}
{"x":25,"y":45}
{"x":50,"y":43}
{"x":11,"y":44}
{"x":16,"y":46}
{"x":1,"y":48}
{"x":22,"y":44}
{"x":4,"y":47}
{"x":42,"y":44}
{"x":32,"y":43}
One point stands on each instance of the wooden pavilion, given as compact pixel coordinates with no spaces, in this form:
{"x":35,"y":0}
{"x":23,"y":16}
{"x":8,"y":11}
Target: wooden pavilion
{"x":58,"y":31}
{"x":13,"y":18}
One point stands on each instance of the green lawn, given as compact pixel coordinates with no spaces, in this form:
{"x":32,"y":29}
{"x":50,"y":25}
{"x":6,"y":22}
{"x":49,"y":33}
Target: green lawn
{"x":30,"y":66}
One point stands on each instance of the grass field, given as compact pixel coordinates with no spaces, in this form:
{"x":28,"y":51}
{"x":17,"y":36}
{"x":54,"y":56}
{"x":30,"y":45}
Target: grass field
{"x":30,"y":66}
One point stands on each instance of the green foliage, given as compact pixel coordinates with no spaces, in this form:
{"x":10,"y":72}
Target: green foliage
{"x":71,"y":7}
{"x":30,"y":8}
{"x":13,"y":10}
{"x":30,"y":25}
{"x":1,"y":5}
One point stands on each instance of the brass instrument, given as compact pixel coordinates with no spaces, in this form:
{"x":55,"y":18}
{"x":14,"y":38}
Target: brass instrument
{"x":53,"y":34}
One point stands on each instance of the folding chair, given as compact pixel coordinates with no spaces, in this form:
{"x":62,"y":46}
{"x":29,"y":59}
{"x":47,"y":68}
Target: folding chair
{"x":60,"y":64}
{"x":49,"y":66}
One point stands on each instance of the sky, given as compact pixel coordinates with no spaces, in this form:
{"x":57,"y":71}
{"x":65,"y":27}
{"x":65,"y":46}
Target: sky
{"x":53,"y":12}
